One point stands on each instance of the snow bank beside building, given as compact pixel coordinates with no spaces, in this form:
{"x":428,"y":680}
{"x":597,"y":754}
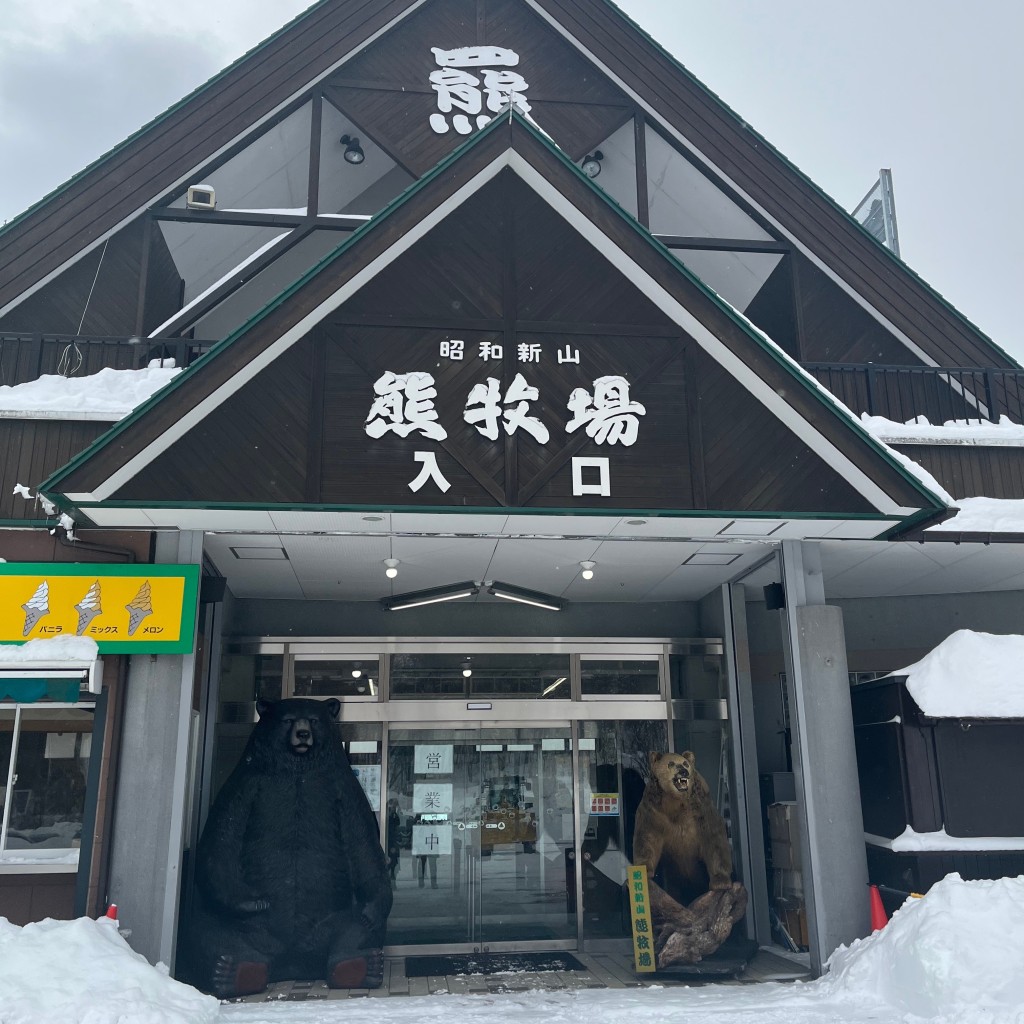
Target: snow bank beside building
{"x":107,"y":395}
{"x":83,"y":972}
{"x":970,"y":675}
{"x":954,"y":955}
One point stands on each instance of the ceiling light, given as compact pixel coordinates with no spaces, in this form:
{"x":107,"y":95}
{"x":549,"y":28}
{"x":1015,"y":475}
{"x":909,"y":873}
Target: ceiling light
{"x":392,"y":568}
{"x":353,"y":151}
{"x":356,"y":673}
{"x":435,"y":596}
{"x":636,"y":522}
{"x":261,"y":553}
{"x":466,"y":673}
{"x":591,"y":165}
{"x":523,"y":596}
{"x":588,"y":570}
{"x":373,"y":519}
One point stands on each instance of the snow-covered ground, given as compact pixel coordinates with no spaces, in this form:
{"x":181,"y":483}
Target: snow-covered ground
{"x":953,"y":956}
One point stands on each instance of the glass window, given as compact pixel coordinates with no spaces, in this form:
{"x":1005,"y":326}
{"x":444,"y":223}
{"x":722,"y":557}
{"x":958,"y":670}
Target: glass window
{"x":618,"y":167}
{"x":613,"y":770}
{"x":736,"y":276}
{"x":355,"y":188}
{"x":237,"y":307}
{"x":44,"y":791}
{"x":351,"y":677}
{"x":619,"y":676}
{"x":510,"y":675}
{"x":205,"y":254}
{"x":270,"y":175}
{"x":683,"y":201}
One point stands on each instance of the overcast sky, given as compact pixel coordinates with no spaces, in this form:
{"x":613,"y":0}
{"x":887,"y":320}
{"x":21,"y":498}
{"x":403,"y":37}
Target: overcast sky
{"x":931,"y":88}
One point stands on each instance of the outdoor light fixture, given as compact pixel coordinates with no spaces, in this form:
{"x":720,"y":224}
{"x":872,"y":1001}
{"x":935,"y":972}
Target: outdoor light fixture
{"x":531,"y":597}
{"x":435,"y":596}
{"x":353,"y":151}
{"x":591,"y":165}
{"x":588,"y":570}
{"x":392,"y":568}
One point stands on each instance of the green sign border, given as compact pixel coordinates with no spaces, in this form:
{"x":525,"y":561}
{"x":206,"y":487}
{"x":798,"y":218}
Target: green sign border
{"x":185,"y":642}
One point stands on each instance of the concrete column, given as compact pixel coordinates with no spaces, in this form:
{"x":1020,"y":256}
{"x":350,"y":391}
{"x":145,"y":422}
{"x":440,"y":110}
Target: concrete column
{"x":147,"y":841}
{"x":824,"y":757}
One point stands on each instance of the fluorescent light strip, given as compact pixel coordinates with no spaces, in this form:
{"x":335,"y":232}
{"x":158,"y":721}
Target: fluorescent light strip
{"x":401,"y":606}
{"x":524,"y":600}
{"x":554,"y":686}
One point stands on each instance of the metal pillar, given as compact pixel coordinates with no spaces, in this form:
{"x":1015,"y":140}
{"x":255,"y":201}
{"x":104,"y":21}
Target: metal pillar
{"x":824,"y":757}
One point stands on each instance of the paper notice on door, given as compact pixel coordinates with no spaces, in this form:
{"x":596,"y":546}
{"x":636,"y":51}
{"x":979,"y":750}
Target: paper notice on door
{"x":433,"y":759}
{"x":369,"y":778}
{"x":431,"y":840}
{"x":431,"y":798}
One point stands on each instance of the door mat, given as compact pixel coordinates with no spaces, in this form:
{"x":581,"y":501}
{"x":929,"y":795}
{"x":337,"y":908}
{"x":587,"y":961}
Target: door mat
{"x":729,"y":960}
{"x":490,"y":963}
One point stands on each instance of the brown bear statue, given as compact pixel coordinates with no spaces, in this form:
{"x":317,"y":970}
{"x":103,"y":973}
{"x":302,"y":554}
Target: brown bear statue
{"x":679,"y":831}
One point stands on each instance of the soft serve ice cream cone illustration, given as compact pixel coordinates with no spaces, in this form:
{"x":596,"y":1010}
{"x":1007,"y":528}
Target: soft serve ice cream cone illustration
{"x":88,"y":608}
{"x":139,"y":607}
{"x":36,"y":607}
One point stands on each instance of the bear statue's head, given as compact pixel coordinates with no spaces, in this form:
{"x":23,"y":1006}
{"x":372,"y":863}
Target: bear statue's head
{"x":676,"y":773}
{"x":297,"y":729}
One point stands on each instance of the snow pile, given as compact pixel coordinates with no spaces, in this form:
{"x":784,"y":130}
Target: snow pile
{"x":50,"y":650}
{"x":985,"y":515}
{"x":106,"y":395}
{"x":970,"y":675}
{"x":954,"y":954}
{"x":951,"y":432}
{"x":83,"y":972}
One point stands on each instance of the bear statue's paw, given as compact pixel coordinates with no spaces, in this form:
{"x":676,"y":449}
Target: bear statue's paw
{"x":233,"y":977}
{"x":365,"y":971}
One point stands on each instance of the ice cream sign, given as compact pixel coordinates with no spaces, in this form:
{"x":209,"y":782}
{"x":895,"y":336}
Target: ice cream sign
{"x":124,"y":608}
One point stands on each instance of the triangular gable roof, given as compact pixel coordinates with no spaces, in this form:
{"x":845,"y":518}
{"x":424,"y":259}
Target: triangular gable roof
{"x":163,"y":154}
{"x":763,"y":369}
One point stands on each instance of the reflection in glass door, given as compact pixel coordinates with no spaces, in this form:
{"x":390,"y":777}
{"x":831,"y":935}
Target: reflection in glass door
{"x":479,"y":836}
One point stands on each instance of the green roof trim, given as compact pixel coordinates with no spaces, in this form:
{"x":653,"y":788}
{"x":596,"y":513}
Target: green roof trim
{"x":497,"y":124}
{"x":503,"y":510}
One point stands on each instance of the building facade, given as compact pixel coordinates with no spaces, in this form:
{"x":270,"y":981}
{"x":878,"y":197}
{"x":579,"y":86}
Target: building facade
{"x":518,"y":410}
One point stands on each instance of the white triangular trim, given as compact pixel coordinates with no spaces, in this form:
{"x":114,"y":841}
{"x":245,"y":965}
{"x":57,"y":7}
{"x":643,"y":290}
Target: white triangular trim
{"x":672,"y":308}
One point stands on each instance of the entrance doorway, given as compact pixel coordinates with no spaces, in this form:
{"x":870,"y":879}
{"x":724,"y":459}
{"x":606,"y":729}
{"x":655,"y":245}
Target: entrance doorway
{"x":480,"y":837}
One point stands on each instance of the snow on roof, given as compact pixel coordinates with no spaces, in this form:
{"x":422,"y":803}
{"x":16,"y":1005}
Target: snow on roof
{"x":970,"y":675}
{"x":49,"y":651}
{"x":108,"y":395}
{"x":985,"y":515}
{"x":969,"y":432}
{"x":909,"y":841}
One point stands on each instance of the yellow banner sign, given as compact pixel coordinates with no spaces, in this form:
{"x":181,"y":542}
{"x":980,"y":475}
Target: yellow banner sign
{"x":124,"y":608}
{"x":640,"y":915}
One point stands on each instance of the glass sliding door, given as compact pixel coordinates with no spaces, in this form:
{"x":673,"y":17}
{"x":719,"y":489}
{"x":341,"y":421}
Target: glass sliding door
{"x":480,"y":836}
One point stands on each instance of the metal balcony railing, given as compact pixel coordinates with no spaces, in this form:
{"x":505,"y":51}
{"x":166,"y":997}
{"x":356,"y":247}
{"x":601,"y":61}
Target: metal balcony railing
{"x":26,"y":357}
{"x":901,"y":393}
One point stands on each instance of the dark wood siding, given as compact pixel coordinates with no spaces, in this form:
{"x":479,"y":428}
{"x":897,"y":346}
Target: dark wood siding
{"x":296,"y":433}
{"x":33,"y":450}
{"x":970,"y":471}
{"x":255,"y":443}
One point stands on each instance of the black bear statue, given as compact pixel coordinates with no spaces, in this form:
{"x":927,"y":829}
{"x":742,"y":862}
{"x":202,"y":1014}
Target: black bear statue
{"x":291,"y":880}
